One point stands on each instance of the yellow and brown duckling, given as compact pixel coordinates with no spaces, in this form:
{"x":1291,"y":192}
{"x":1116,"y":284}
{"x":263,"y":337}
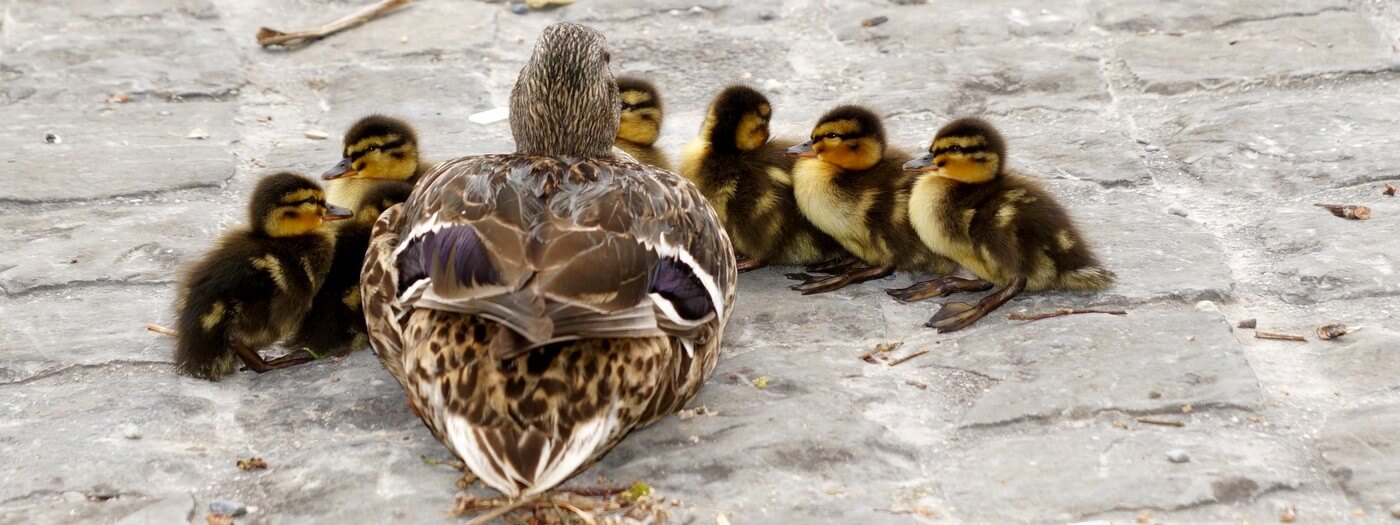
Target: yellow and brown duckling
{"x":851,"y":186}
{"x":335,"y":325}
{"x":254,"y":287}
{"x":1001,"y":226}
{"x":640,"y":122}
{"x":748,"y":180}
{"x":538,"y":306}
{"x":375,"y":148}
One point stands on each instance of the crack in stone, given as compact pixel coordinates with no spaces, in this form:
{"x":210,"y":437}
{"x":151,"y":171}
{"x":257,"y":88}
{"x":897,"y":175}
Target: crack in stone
{"x":80,"y":284}
{"x":74,"y":367}
{"x":1249,"y":20}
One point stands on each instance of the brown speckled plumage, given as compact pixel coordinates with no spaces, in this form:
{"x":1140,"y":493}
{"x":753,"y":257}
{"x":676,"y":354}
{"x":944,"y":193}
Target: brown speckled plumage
{"x":538,"y":306}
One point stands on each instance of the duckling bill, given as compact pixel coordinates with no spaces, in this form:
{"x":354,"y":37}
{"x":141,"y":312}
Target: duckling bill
{"x":748,"y":180}
{"x":254,"y":287}
{"x":640,"y":122}
{"x":1001,"y":226}
{"x":850,"y":185}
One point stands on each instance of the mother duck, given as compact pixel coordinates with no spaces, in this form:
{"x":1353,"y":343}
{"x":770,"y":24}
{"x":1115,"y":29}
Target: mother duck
{"x":538,"y":306}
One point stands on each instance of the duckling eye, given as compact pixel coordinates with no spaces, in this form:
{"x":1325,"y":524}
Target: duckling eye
{"x":830,"y":135}
{"x":607,"y":57}
{"x":955,"y":149}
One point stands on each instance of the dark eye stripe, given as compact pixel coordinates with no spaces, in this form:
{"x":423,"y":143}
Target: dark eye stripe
{"x":967,"y":150}
{"x":386,"y":146}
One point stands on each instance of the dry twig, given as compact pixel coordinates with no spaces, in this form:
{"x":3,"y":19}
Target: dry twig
{"x":1163,"y":422}
{"x":162,"y":330}
{"x":272,"y":37}
{"x":1061,"y":313}
{"x":1275,"y":336}
{"x":882,"y":348}
{"x":908,"y":357}
{"x":1355,"y":212}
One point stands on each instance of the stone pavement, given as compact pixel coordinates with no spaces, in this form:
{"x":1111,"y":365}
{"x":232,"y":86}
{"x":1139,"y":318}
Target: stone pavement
{"x":1191,"y":139}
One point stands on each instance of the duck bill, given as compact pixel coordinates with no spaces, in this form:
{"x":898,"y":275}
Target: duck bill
{"x":803,"y":150}
{"x":345,"y":168}
{"x":922,"y":164}
{"x":337,"y":213}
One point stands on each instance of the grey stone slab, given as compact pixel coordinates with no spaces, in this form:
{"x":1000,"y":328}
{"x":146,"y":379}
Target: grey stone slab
{"x":128,"y":149}
{"x":1313,"y":256}
{"x":1082,"y":365}
{"x":1201,"y":15}
{"x":1269,"y":143}
{"x":1335,"y":42}
{"x":436,"y":98}
{"x":921,"y":27}
{"x":90,"y":65}
{"x":1362,"y":451}
{"x":1079,"y":474}
{"x":996,"y":78}
{"x":141,"y":243}
{"x":92,"y":324}
{"x":1365,"y":363}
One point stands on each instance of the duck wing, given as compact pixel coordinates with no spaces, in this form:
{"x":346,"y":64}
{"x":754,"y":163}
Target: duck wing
{"x":557,"y":249}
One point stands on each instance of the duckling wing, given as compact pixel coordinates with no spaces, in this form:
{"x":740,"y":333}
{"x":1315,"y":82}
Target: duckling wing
{"x":557,"y":249}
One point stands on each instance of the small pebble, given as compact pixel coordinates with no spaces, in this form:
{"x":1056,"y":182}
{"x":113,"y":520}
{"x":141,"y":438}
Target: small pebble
{"x":1152,"y":147}
{"x":197,"y":134}
{"x":1248,"y":323}
{"x":403,"y":39}
{"x":52,"y":138}
{"x":228,"y":507}
{"x":131,"y":432}
{"x":1177,"y":455}
{"x":767,"y":16}
{"x":519,"y":9}
{"x":1177,"y":210}
{"x":1395,"y":510}
{"x":697,"y":9}
{"x":1207,"y":306}
{"x":772,"y":85}
{"x":872,"y":22}
{"x":315,"y":134}
{"x":164,"y":113}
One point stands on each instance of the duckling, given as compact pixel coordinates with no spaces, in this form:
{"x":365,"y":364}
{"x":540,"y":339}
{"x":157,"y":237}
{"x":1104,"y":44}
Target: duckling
{"x":375,"y":148}
{"x":1001,"y":226}
{"x":538,"y":306}
{"x":640,"y":123}
{"x":748,"y":179}
{"x":335,"y":324}
{"x":253,"y":288}
{"x":850,"y":186}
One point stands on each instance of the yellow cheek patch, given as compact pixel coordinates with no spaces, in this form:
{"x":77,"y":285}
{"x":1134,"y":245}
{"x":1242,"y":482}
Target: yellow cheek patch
{"x":752,"y":133}
{"x":765,"y":110}
{"x":839,"y":127}
{"x":866,"y":153}
{"x":963,"y":169}
{"x":370,"y":142}
{"x":214,"y":317}
{"x":635,"y":97}
{"x":352,"y":298}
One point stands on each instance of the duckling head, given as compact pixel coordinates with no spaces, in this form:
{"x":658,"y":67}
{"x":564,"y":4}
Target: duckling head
{"x":967,"y":150}
{"x":737,"y":120}
{"x":565,"y":102}
{"x":641,"y":111}
{"x":378,"y":147}
{"x":288,"y":205}
{"x":850,"y":137}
